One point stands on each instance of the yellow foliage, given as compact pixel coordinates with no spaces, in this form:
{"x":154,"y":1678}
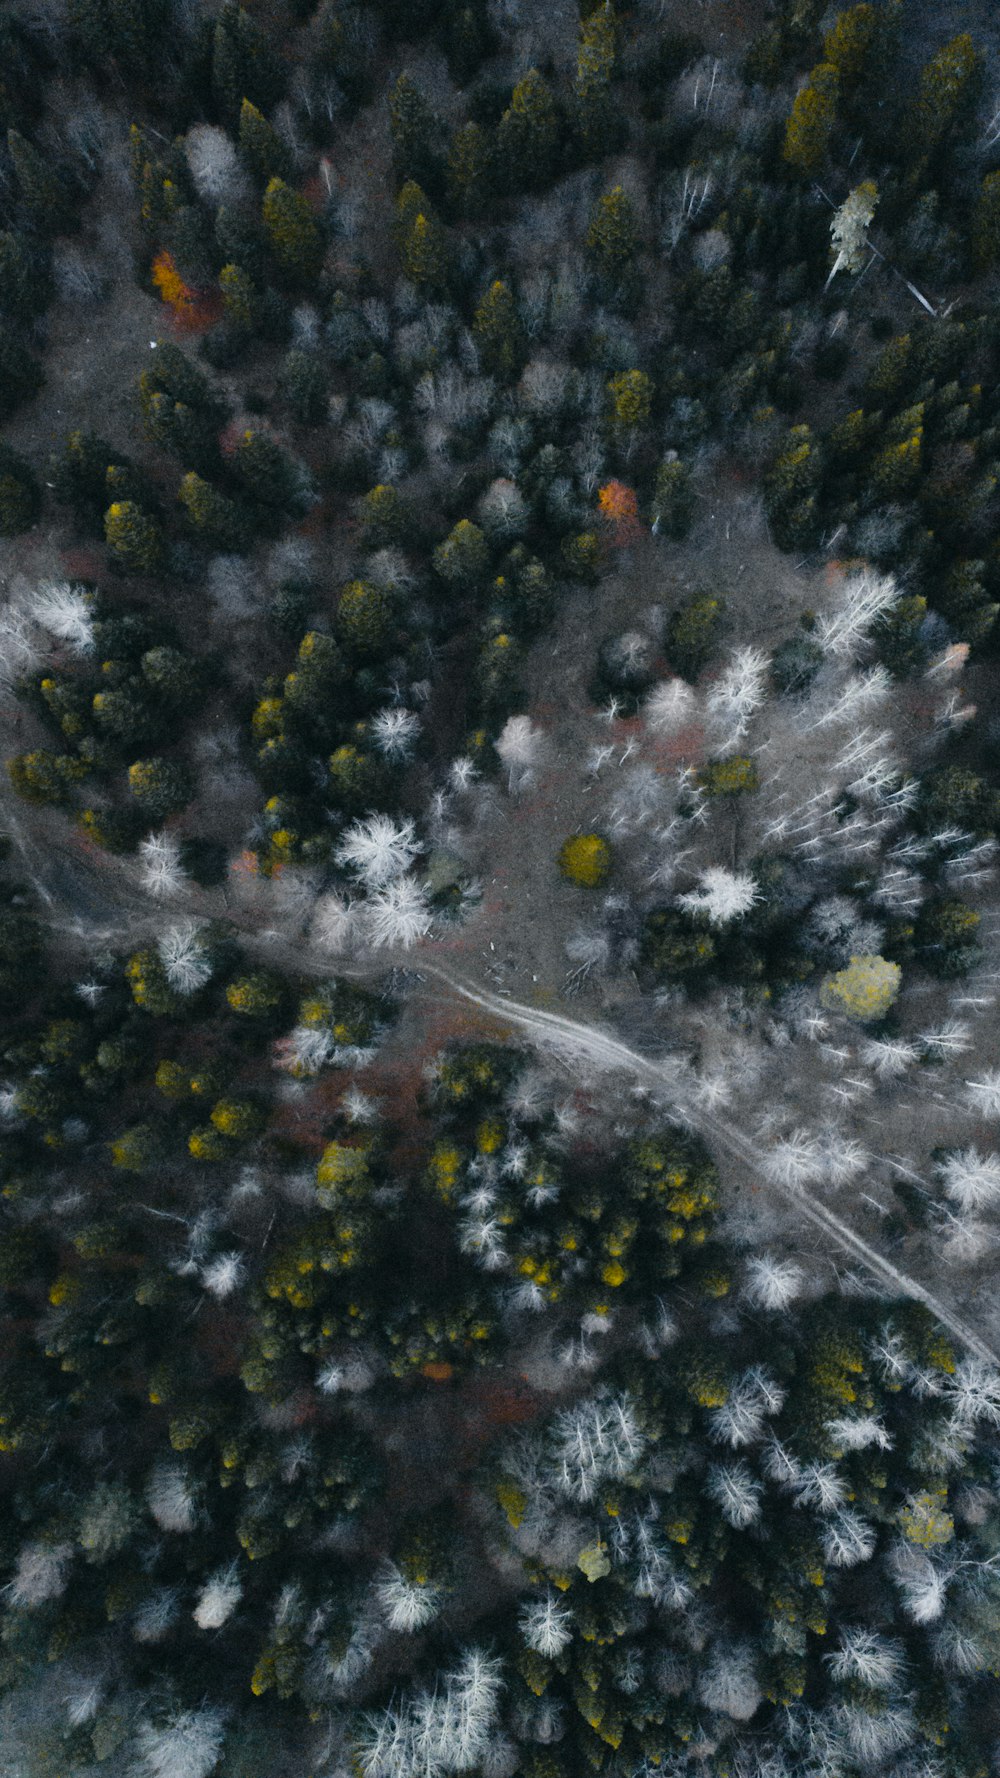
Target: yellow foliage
{"x":585,"y":859}
{"x":865,"y":990}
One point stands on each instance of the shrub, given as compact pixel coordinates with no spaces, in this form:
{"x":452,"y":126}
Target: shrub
{"x":585,"y":858}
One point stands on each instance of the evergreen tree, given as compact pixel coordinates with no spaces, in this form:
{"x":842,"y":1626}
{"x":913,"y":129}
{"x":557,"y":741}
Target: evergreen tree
{"x":416,"y":136}
{"x":498,"y":333}
{"x":463,"y":558}
{"x":810,"y":125}
{"x":293,"y":233}
{"x":44,"y":777}
{"x":21,"y":376}
{"x":24,"y":279}
{"x":262,"y":149}
{"x":20,"y":495}
{"x":673,"y":501}
{"x":130,"y":33}
{"x":425,"y":254}
{"x":159,"y":786}
{"x":364,"y":619}
{"x":598,"y":121}
{"x":985,"y":236}
{"x":528,"y":136}
{"x":472,"y":170}
{"x":214,"y":519}
{"x":240,"y":298}
{"x":78,"y":474}
{"x":266,"y":471}
{"x":613,"y":242}
{"x":244,"y":65}
{"x":950,"y":85}
{"x":41,"y":190}
{"x":386,"y":519}
{"x":306,"y":386}
{"x":134,"y":538}
{"x":181,"y":411}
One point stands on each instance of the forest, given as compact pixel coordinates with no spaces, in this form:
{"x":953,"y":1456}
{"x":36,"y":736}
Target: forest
{"x":499,"y":845}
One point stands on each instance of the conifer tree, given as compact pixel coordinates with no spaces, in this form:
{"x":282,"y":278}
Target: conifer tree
{"x":294,"y":235}
{"x":673,"y":502}
{"x":244,"y":65}
{"x":160,"y":787}
{"x":463,"y":558}
{"x":425,"y":253}
{"x":472,"y":170}
{"x":44,"y":777}
{"x":20,"y":495}
{"x":598,"y":121}
{"x":262,"y":149}
{"x":498,"y":334}
{"x":78,"y":474}
{"x":949,"y":87}
{"x":134,"y":538}
{"x":613,"y":241}
{"x":240,"y":298}
{"x":40,"y":189}
{"x":214,"y":518}
{"x":810,"y":126}
{"x":364,"y":619}
{"x":416,"y":135}
{"x":24,"y":281}
{"x":986,"y":225}
{"x":127,"y":32}
{"x":267,"y":472}
{"x":528,"y":135}
{"x":21,"y":376}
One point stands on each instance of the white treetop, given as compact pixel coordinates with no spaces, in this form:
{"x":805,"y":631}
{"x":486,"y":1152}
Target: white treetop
{"x":849,"y":228}
{"x":378,"y":848}
{"x":721,"y":896}
{"x":397,"y":914}
{"x":669,"y":706}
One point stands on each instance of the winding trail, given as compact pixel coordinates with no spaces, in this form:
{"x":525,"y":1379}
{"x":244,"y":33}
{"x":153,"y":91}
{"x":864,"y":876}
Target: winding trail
{"x":610,"y":1054}
{"x":672,"y":1079}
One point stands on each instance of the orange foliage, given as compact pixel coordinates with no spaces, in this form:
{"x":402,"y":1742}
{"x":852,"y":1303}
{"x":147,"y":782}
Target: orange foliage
{"x":193,"y":310}
{"x":620,"y":510}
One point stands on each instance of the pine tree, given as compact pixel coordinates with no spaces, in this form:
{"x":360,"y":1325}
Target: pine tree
{"x":950,"y":84}
{"x":267,"y":472}
{"x":44,"y":777}
{"x":673,"y":501}
{"x":416,"y":135}
{"x":385,"y":518}
{"x":472,"y":170}
{"x":528,"y":135}
{"x":364,"y":619}
{"x":21,"y":376}
{"x":213,"y":517}
{"x":463,"y":558}
{"x":128,"y":32}
{"x":612,"y":241}
{"x":25,"y":286}
{"x":262,"y":149}
{"x":41,"y":191}
{"x":986,"y":225}
{"x":425,"y":254}
{"x":78,"y":476}
{"x":306,"y":386}
{"x":244,"y":65}
{"x":160,"y":787}
{"x":240,"y":298}
{"x":810,"y":126}
{"x":294,"y":235}
{"x":630,"y":396}
{"x":497,"y":332}
{"x":20,"y":495}
{"x":849,"y":43}
{"x":181,"y":411}
{"x":598,"y":120}
{"x":134,"y":538}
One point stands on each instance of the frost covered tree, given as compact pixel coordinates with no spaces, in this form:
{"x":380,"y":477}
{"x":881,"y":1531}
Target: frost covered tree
{"x":40,"y":1573}
{"x":521,"y":747}
{"x":184,"y":1744}
{"x":185,"y":957}
{"x":546,"y":1625}
{"x":170,"y":1497}
{"x":160,"y":870}
{"x":406,"y":1605}
{"x":397,"y":914}
{"x":218,"y":1598}
{"x":849,"y":228}
{"x":721,"y":896}
{"x":378,"y":849}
